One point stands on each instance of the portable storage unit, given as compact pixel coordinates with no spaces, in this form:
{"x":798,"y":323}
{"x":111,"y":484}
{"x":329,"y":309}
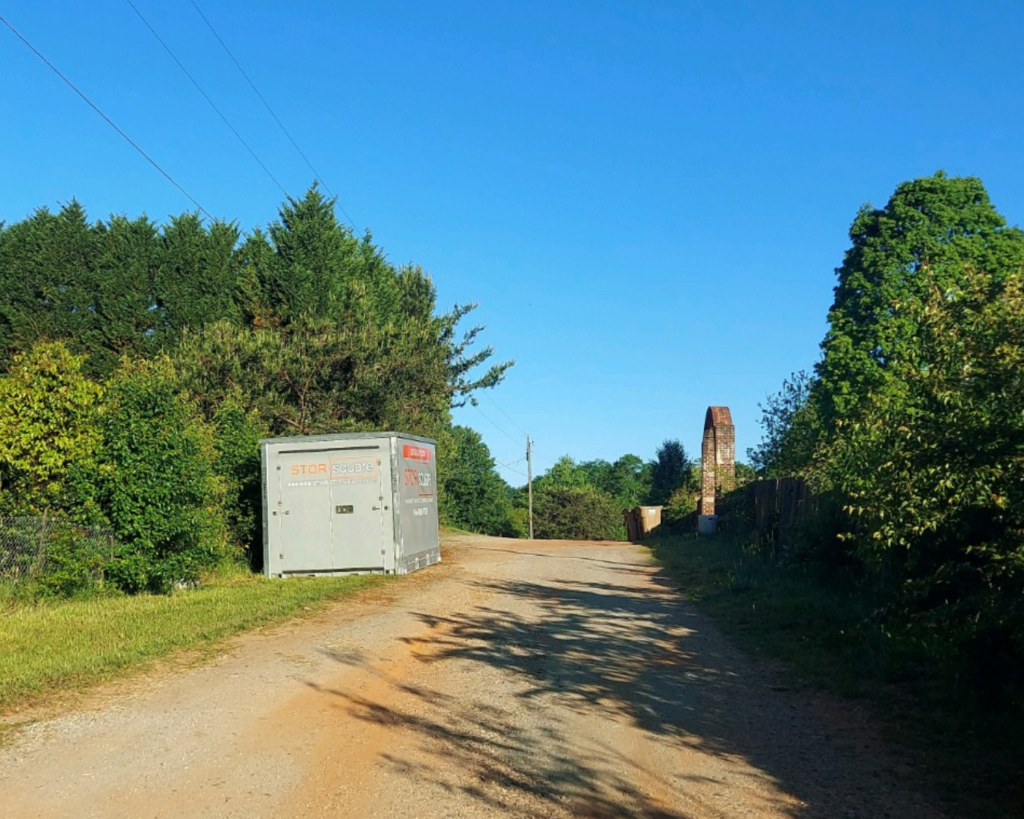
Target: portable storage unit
{"x":353,"y":503}
{"x":641,"y":521}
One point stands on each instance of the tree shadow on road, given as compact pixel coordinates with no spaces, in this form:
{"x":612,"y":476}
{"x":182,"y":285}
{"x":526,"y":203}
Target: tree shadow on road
{"x":628,"y":653}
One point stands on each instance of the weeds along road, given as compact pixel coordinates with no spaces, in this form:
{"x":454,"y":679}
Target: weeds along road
{"x":526,"y":679}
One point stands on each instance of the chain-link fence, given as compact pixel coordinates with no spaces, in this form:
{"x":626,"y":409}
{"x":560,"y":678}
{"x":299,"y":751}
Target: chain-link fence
{"x":27,"y":543}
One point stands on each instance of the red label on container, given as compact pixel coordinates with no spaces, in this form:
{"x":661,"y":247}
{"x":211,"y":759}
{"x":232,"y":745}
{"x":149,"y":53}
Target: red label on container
{"x":416,"y":453}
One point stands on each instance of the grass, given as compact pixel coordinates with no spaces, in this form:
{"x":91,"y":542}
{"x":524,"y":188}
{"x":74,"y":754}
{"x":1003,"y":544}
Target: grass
{"x":816,"y":628}
{"x":824,"y":631}
{"x":53,"y":647}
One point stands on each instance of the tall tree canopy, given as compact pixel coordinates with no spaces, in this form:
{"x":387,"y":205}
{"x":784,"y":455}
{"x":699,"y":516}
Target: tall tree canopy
{"x":302,"y":328}
{"x":932,"y":236}
{"x":912,"y":427}
{"x":670,"y":470}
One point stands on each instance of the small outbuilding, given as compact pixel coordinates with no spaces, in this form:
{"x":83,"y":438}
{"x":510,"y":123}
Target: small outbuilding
{"x":353,"y":503}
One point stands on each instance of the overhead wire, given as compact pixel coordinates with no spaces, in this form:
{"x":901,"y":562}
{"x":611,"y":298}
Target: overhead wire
{"x":510,"y":418}
{"x":280,"y":124}
{"x":511,"y":468}
{"x":532,"y":441}
{"x":105,"y":118}
{"x":500,"y":429}
{"x":206,"y":96}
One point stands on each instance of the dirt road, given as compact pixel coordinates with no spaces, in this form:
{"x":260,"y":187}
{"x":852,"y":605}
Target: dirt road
{"x":519,"y":679}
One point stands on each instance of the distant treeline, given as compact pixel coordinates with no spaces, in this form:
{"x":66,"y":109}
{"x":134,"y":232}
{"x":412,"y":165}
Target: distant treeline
{"x":584,"y":500}
{"x":144,"y":361}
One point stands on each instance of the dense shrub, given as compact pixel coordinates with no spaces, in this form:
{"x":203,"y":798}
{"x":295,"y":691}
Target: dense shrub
{"x":678,"y":512}
{"x":155,"y":480}
{"x":576,"y":513}
{"x":238,"y":462}
{"x":73,"y":565}
{"x":47,"y":423}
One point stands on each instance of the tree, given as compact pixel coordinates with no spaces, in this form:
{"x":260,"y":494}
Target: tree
{"x":932,"y":235}
{"x":195,"y":282}
{"x":47,"y":263}
{"x":627,"y":480}
{"x":567,"y":512}
{"x":48,"y":423}
{"x":933,"y":477}
{"x":790,"y":428}
{"x":476,"y":498}
{"x":462,"y":364}
{"x":669,"y":471}
{"x":563,"y":472}
{"x":112,"y":288}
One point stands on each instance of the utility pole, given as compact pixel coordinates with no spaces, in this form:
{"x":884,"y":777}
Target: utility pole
{"x":529,"y":480}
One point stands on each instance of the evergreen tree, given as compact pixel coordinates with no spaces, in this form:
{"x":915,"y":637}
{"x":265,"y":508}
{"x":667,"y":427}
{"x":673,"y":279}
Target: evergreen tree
{"x":670,"y":470}
{"x":195,"y":281}
{"x":47,"y":265}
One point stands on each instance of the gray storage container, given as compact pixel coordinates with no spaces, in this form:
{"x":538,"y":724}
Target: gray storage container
{"x":348,"y":504}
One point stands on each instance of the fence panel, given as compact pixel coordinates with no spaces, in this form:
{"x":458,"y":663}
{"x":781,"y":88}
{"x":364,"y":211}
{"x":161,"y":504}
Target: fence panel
{"x":26,"y":544}
{"x":770,"y":512}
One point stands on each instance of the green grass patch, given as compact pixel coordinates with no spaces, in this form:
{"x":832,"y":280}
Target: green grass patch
{"x":49,"y":647}
{"x":786,"y":613}
{"x":825,"y":629}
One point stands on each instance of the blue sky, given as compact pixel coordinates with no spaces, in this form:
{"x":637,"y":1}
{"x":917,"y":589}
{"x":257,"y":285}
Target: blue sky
{"x":647,"y":199}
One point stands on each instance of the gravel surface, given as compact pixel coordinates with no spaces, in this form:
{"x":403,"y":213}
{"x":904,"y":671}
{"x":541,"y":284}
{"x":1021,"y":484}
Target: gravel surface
{"x":525,"y":679}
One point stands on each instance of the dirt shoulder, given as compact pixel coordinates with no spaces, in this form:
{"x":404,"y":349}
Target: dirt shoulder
{"x":517,"y":679}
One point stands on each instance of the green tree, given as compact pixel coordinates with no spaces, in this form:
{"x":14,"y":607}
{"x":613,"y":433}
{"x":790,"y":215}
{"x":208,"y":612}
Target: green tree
{"x":476,"y":498}
{"x":933,"y":477}
{"x":47,"y":424}
{"x":194,"y":284}
{"x":563,"y":472}
{"x":790,"y":429}
{"x":124,"y":319}
{"x":47,"y":263}
{"x":670,"y":470}
{"x":567,"y":512}
{"x":627,"y":480}
{"x":932,"y":235}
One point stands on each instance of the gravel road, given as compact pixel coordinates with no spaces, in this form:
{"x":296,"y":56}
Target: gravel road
{"x":520,"y":679}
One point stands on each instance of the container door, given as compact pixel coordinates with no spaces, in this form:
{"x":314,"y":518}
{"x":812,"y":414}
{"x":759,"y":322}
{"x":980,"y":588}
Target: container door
{"x":358,"y":507}
{"x":304,"y":512}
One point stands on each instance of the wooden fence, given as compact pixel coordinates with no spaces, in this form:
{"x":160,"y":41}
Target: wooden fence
{"x":769,"y":513}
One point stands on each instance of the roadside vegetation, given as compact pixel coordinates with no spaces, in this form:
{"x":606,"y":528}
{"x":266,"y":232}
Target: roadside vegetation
{"x":907,"y":582}
{"x":141,"y":363}
{"x":824,"y":625}
{"x":584,"y":500}
{"x":54,"y":646}
{"x":911,"y":427}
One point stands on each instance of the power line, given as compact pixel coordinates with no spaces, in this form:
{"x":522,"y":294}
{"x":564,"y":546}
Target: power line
{"x":107,"y":119}
{"x":206,"y":96}
{"x":502,"y":430}
{"x":546,"y":448}
{"x":510,"y":418}
{"x":270,"y":110}
{"x":511,"y":468}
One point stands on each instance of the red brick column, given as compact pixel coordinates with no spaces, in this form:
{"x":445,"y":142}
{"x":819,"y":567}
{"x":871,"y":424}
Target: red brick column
{"x":718,"y":457}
